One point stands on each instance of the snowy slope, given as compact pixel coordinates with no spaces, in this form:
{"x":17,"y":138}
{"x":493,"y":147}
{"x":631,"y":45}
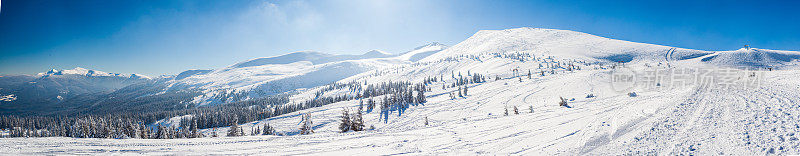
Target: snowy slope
{"x":754,"y":58}
{"x":563,"y":44}
{"x":611,"y":122}
{"x":690,"y":120}
{"x":684,"y":121}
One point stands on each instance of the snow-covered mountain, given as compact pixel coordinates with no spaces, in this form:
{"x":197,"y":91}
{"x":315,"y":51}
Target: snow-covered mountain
{"x":274,"y":75}
{"x":46,"y":89}
{"x":242,"y":81}
{"x":78,"y":71}
{"x":191,"y":72}
{"x":310,"y":56}
{"x":551,"y":42}
{"x":567,"y":44}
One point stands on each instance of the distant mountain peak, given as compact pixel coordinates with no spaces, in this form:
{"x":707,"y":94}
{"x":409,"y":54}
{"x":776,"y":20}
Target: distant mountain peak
{"x":89,"y":73}
{"x":431,"y":44}
{"x":376,"y":52}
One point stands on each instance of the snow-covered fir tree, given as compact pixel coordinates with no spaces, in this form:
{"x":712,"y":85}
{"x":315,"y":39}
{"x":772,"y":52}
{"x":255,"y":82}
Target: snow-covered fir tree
{"x":307,"y":126}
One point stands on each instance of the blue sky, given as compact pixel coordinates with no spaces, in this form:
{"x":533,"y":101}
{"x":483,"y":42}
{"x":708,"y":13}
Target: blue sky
{"x":166,"y":37}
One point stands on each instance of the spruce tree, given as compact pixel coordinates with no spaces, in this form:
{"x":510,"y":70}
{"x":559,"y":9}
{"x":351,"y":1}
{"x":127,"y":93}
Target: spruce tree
{"x":234,"y":130}
{"x":421,"y":97}
{"x":345,"y":125}
{"x":465,"y":90}
{"x":370,"y":104}
{"x":193,"y":128}
{"x":357,"y":122}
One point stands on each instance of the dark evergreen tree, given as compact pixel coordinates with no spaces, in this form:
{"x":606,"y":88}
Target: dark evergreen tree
{"x":268,"y":130}
{"x":345,"y":125}
{"x":357,"y":121}
{"x":370,"y":104}
{"x":465,"y":90}
{"x":234,"y":130}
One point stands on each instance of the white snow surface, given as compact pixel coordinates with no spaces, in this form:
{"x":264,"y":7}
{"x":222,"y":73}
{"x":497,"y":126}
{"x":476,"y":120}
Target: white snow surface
{"x":693,"y":120}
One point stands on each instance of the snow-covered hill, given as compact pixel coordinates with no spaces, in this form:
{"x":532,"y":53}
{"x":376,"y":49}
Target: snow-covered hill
{"x":567,"y":44}
{"x":551,"y":42}
{"x":754,"y":58}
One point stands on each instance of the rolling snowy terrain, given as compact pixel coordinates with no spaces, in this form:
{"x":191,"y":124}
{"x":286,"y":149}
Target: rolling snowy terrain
{"x":516,"y":111}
